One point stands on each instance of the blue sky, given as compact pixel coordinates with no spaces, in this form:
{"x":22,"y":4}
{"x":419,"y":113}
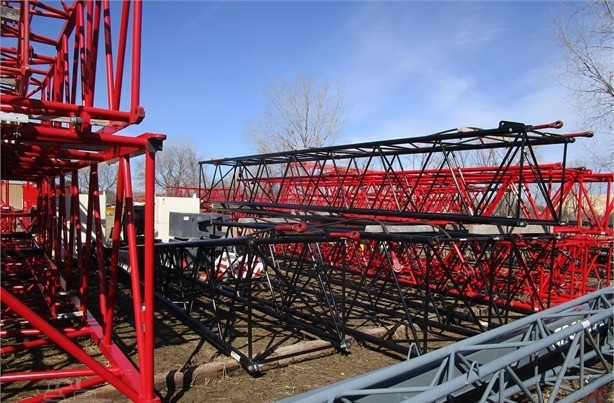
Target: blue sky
{"x":408,"y":68}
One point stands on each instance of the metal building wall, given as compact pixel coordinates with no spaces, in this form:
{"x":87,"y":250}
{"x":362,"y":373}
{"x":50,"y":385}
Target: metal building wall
{"x":12,"y":194}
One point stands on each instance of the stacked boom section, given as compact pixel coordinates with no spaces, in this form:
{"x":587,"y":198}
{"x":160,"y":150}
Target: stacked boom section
{"x":70,"y":82}
{"x":519,"y":233}
{"x":402,"y":243}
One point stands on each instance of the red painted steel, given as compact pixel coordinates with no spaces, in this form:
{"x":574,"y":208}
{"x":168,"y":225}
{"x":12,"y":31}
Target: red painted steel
{"x":432,"y":191}
{"x":564,"y":251}
{"x":62,"y":109}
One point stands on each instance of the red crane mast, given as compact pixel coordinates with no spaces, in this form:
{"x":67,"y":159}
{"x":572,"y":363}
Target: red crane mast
{"x":70,"y":82}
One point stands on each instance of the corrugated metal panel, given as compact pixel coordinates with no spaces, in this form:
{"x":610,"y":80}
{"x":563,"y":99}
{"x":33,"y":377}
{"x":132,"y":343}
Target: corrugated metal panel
{"x":15,"y":196}
{"x":12,"y":195}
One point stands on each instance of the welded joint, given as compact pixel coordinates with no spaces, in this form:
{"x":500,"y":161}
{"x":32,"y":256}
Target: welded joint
{"x":474,"y":368}
{"x":413,"y":347}
{"x":345,"y":345}
{"x":154,"y":145}
{"x":254,"y":368}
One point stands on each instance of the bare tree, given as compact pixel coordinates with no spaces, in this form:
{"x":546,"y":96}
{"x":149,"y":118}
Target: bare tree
{"x":587,"y":39}
{"x":177,"y":165}
{"x":297,"y":114}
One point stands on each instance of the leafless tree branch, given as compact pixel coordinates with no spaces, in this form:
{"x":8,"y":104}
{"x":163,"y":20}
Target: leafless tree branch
{"x":297,"y":114}
{"x":587,"y":40}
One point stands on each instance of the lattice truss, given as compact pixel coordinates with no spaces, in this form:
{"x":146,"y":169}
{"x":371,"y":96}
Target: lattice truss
{"x":403,"y":237}
{"x":70,"y":81}
{"x":457,"y":232}
{"x":563,"y":354}
{"x":539,"y":231}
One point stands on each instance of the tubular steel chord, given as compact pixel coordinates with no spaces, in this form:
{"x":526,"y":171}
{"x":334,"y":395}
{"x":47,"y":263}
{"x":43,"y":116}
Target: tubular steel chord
{"x":561,"y":354}
{"x":462,"y":274}
{"x":58,"y":116}
{"x":446,"y":247}
{"x":547,"y":207}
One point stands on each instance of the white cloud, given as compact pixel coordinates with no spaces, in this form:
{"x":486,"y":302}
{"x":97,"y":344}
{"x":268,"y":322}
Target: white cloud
{"x":407,"y":78}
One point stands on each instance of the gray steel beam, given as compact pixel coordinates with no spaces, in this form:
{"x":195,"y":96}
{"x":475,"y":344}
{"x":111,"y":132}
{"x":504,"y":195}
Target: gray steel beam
{"x":550,"y":351}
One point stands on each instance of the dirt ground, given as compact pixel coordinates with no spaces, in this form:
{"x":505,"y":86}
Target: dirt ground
{"x":181,"y":355}
{"x":179,"y":350}
{"x":282,"y":382}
